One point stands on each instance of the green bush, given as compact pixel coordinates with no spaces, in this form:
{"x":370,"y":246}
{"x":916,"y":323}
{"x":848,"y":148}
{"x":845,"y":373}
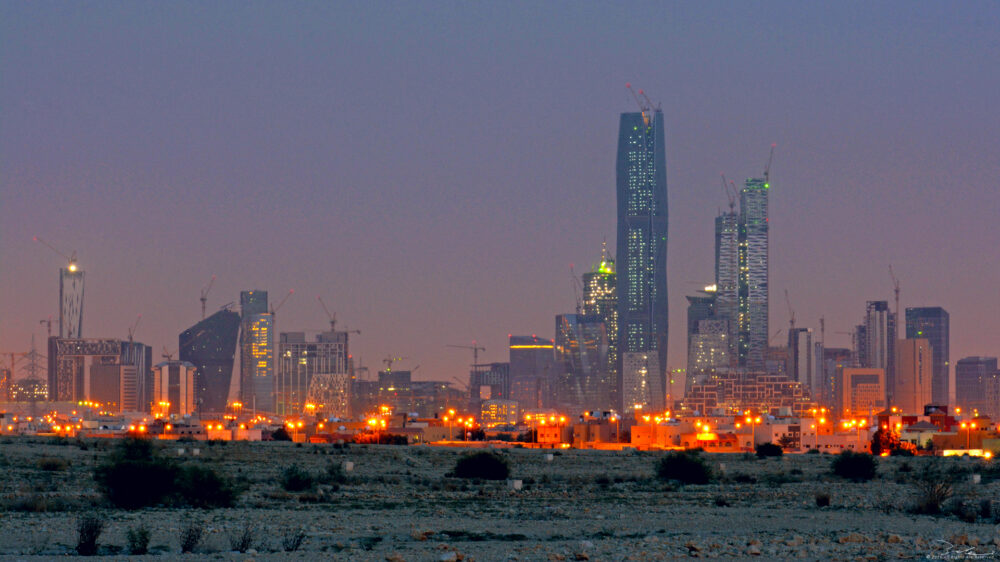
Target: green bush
{"x":484,"y":464}
{"x":138,"y":540}
{"x":858,"y":467}
{"x":52,"y":464}
{"x":335,"y":473}
{"x":294,"y":479}
{"x":769,"y":450}
{"x":198,"y":486}
{"x":686,"y":467}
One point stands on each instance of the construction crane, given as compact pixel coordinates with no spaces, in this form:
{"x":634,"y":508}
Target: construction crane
{"x":47,"y":322}
{"x":895,"y":289}
{"x":275,"y":309}
{"x":475,"y":350}
{"x":204,"y":295}
{"x":822,"y":331}
{"x":771,"y":339}
{"x":72,"y":267}
{"x":167,"y":355}
{"x":767,"y":168}
{"x":791,"y":314}
{"x":644,"y":108}
{"x":464,"y":385}
{"x":134,"y":328}
{"x":331,"y":315}
{"x":730,"y":193}
{"x":389,"y":360}
{"x":577,"y":289}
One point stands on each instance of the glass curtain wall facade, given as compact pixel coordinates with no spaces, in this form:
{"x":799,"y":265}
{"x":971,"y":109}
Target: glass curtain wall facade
{"x":642,"y":260}
{"x":932,"y":324}
{"x":210,"y":345}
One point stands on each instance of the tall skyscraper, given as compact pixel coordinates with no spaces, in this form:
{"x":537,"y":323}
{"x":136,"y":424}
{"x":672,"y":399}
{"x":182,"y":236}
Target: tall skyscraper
{"x":532,"y":371}
{"x":71,"y":301}
{"x":256,"y":352}
{"x":752,"y":299}
{"x":727,"y":274}
{"x":880,"y":343}
{"x":210,"y":345}
{"x":642,"y":259}
{"x":600,"y":299}
{"x":932,"y":323}
{"x":914,"y":374}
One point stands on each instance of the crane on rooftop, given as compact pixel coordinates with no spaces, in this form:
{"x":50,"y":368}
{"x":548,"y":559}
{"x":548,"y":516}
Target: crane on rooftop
{"x":71,"y":259}
{"x":767,"y":168}
{"x":204,"y":295}
{"x":389,"y":360}
{"x":332,"y":316}
{"x":275,"y":309}
{"x":644,"y":107}
{"x":791,"y":314}
{"x":134,"y":328}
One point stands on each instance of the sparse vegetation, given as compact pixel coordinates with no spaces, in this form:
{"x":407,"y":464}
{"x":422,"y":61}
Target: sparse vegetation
{"x":295,"y":479}
{"x":932,"y":490}
{"x":138,"y":539}
{"x":686,"y":467}
{"x":292,"y":538}
{"x":88,"y":530}
{"x":191,"y":536}
{"x":200,"y":486}
{"x":859,"y":467}
{"x":243,"y":539}
{"x":822,"y":499}
{"x":484,"y":465}
{"x":52,"y":464}
{"x":769,"y":450}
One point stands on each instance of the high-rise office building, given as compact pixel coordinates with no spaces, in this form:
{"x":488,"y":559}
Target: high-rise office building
{"x":488,"y":381}
{"x":752,"y":299}
{"x":256,"y":352}
{"x":880,"y":343}
{"x":71,"y":301}
{"x":800,"y":359}
{"x":115,"y":373}
{"x":708,"y":337}
{"x":727,"y":270}
{"x":914,"y":374}
{"x":532,"y":371}
{"x":600,"y":299}
{"x":210,"y":345}
{"x":313,"y":373}
{"x":932,"y":323}
{"x":642,"y":259}
{"x":581,"y":354}
{"x":972,"y":384}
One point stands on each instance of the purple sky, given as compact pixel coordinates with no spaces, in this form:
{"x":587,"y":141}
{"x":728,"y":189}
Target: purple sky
{"x":432,"y":169}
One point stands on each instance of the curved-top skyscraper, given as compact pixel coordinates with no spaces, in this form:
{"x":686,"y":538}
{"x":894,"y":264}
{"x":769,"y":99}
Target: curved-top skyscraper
{"x":642,"y":260}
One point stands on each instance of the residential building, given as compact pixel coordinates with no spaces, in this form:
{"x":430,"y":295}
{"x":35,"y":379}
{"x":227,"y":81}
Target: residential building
{"x":752,"y":301}
{"x":115,"y":373}
{"x":880,"y":343}
{"x":600,"y":299}
{"x":859,"y":392}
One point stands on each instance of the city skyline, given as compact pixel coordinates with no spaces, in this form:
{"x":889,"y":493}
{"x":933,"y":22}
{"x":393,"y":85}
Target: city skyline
{"x":253,"y":161}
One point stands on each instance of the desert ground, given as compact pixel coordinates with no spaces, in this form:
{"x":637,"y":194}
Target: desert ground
{"x":398,"y":504}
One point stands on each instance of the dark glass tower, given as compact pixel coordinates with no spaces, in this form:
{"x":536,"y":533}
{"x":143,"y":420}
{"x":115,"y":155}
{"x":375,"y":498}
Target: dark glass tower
{"x":642,"y":260}
{"x":210,"y":345}
{"x":932,"y":324}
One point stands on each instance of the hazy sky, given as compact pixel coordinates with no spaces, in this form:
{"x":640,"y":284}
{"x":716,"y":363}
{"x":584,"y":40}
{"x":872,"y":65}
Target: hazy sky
{"x":432,"y":168}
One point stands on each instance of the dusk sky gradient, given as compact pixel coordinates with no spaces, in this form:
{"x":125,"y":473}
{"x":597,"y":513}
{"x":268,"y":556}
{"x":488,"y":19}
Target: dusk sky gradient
{"x":432,"y":168}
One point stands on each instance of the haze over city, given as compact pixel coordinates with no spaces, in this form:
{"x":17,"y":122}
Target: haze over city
{"x":432,"y":171}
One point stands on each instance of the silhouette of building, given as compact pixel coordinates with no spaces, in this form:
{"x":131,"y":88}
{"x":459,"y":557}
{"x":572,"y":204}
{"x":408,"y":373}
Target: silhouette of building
{"x":880,"y":343}
{"x":315,"y":373}
{"x":174,"y":387}
{"x":974,"y":377}
{"x":115,"y":373}
{"x":489,"y":381}
{"x":210,"y":345}
{"x":532,"y":371}
{"x":933,"y":323}
{"x":914,"y":375}
{"x":600,"y":299}
{"x":71,"y":302}
{"x":581,"y":355}
{"x":642,"y":259}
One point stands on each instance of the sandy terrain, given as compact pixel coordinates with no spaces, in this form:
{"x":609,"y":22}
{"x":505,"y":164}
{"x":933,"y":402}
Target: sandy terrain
{"x":397,"y":505}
